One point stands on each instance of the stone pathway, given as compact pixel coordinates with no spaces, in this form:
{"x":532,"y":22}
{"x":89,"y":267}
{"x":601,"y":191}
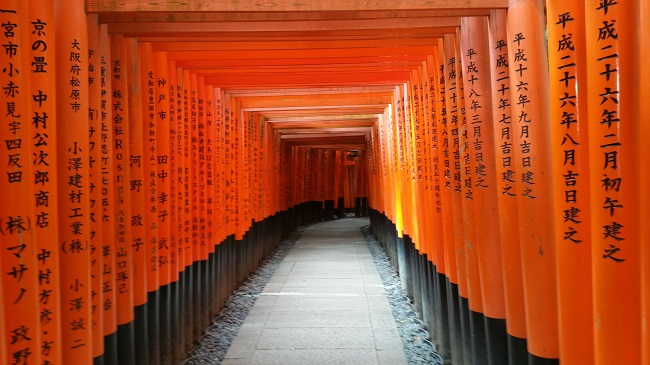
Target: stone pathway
{"x":324,"y":305}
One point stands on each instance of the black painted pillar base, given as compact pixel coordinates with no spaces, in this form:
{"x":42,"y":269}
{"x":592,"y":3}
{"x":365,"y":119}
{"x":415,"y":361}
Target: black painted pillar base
{"x":402,"y":263}
{"x":536,"y":360}
{"x":517,"y":351}
{"x":126,"y":344}
{"x":497,"y":341}
{"x":110,"y":349}
{"x":455,"y":326}
{"x":477,"y":330}
{"x":141,"y":331}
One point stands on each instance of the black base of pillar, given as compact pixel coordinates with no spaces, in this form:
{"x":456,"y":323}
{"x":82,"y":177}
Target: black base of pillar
{"x":141,"y":330}
{"x":517,"y":351}
{"x":126,"y":344}
{"x":497,"y":341}
{"x":110,"y":349}
{"x":536,"y":360}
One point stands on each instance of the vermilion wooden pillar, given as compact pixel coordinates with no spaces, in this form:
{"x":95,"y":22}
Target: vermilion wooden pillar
{"x":460,"y":345}
{"x":613,"y":96}
{"x":507,"y":171}
{"x":163,"y":120}
{"x":173,"y":169}
{"x":18,"y":185}
{"x":73,"y":167}
{"x":149,"y":161}
{"x":644,"y":135}
{"x":108,"y":201}
{"x":136,"y":220}
{"x":446,"y":165}
{"x":43,"y":82}
{"x":150,"y":197}
{"x":210,"y":153}
{"x":95,"y":151}
{"x":480,"y":135}
{"x":569,"y":125}
{"x":124,"y":275}
{"x":218,"y":165}
{"x":531,"y":145}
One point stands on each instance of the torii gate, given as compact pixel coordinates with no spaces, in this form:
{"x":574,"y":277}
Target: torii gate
{"x":498,"y":147}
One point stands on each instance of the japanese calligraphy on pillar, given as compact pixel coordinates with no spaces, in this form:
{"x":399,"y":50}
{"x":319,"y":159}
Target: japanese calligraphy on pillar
{"x":218,"y":164}
{"x":150,"y":161}
{"x":200,"y":145}
{"x":74,"y":190}
{"x":435,"y":111}
{"x":135,"y":123}
{"x":180,"y":172}
{"x":444,"y":134}
{"x":173,"y":169}
{"x":194,"y":165}
{"x":122,"y":160}
{"x":187,"y":169}
{"x":227,"y":157}
{"x":503,"y":127}
{"x":453,"y":124}
{"x":567,"y":119}
{"x":108,"y":248}
{"x":94,"y":138}
{"x":18,"y":224}
{"x":163,"y":99}
{"x":523,"y":120}
{"x":43,"y":103}
{"x":210,"y":167}
{"x":611,"y":185}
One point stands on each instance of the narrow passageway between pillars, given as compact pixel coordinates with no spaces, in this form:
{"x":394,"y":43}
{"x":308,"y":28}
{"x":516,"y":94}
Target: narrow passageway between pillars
{"x":325,"y":304}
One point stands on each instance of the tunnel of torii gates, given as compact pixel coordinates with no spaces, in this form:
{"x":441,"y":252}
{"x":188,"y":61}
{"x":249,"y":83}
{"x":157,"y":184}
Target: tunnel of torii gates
{"x":153,"y":153}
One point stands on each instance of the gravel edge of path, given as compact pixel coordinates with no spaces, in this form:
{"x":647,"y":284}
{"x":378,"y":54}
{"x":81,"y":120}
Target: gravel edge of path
{"x":212,"y":346}
{"x":418,"y":348}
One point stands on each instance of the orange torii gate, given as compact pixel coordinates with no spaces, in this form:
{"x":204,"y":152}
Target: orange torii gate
{"x":155,"y":152}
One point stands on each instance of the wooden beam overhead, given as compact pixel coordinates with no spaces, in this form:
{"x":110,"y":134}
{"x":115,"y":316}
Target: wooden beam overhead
{"x":194,"y":64}
{"x":290,"y":101}
{"x":313,"y":80}
{"x":294,"y":26}
{"x":108,"y":6}
{"x":255,"y":35}
{"x":173,"y":17}
{"x":387,"y":52}
{"x":285,"y":45}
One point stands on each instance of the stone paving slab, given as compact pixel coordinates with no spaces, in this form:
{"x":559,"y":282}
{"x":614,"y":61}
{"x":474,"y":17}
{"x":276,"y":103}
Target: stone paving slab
{"x":324,"y":305}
